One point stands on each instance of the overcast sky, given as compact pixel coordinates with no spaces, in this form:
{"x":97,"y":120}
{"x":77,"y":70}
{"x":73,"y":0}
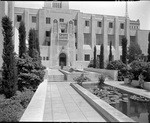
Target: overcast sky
{"x":137,"y":10}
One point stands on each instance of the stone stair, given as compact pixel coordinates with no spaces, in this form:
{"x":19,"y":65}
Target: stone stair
{"x":54,"y":75}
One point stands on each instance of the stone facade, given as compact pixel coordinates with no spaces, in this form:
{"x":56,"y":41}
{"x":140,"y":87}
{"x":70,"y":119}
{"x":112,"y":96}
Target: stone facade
{"x":68,"y":36}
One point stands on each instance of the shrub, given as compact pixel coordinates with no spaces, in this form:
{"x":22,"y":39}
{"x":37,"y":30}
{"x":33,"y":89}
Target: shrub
{"x":10,"y":110}
{"x":137,"y":67}
{"x":31,"y":72}
{"x":82,"y":78}
{"x":24,"y":97}
{"x":101,"y":79}
{"x":120,"y":66}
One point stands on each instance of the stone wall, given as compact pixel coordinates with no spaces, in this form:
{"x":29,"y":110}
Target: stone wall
{"x":112,"y":73}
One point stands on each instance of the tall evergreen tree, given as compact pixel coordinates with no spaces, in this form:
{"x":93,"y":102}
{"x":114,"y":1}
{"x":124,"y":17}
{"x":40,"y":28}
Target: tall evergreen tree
{"x":124,"y":50}
{"x":9,"y":73}
{"x":102,"y":57}
{"x":94,"y":60}
{"x":37,"y":45}
{"x":22,"y":39}
{"x":149,"y":47}
{"x":110,"y":51}
{"x":134,"y":51}
{"x":32,"y":42}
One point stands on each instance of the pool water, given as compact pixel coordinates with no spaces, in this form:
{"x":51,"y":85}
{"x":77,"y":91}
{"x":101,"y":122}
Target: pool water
{"x":123,"y":101}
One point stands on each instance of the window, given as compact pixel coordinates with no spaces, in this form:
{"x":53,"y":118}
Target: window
{"x":47,"y":33}
{"x":121,"y":26}
{"x":19,"y":18}
{"x":61,"y":20}
{"x":33,"y":19}
{"x":75,"y":22}
{"x":99,"y":39}
{"x":98,"y":56}
{"x":47,"y":58}
{"x":110,"y":25}
{"x":43,"y":58}
{"x":48,"y":20}
{"x":86,"y":23}
{"x":99,"y":24}
{"x":87,"y":38}
{"x":86,"y":57}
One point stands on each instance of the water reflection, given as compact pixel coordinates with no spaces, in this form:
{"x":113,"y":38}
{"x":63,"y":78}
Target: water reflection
{"x":137,"y":110}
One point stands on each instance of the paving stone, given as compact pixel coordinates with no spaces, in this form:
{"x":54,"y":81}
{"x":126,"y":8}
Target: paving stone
{"x":64,"y":104}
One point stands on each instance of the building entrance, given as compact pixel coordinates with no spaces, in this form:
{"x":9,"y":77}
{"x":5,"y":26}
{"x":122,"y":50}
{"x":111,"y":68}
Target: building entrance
{"x":62,"y":59}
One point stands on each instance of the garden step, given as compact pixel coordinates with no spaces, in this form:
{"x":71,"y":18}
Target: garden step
{"x":54,"y":75}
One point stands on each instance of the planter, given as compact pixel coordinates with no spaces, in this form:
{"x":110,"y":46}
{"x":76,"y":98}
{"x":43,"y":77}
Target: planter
{"x":135,"y":83}
{"x":147,"y":85}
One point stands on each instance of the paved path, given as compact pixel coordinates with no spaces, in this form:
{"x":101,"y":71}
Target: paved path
{"x":63,"y":103}
{"x":121,"y":85}
{"x":54,"y":72}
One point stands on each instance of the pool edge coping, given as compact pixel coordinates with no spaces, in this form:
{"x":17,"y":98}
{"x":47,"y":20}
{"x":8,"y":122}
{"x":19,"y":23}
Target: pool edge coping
{"x":101,"y":106}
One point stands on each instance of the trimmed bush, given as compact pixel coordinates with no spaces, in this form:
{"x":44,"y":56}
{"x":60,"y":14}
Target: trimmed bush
{"x":101,"y":79}
{"x":82,"y":78}
{"x":138,"y":67}
{"x":10,"y":110}
{"x":120,"y":66}
{"x":31,"y":72}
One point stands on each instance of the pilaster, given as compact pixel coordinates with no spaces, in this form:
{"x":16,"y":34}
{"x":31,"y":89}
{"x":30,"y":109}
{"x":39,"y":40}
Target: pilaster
{"x":116,"y":57}
{"x":127,"y":30}
{"x":93,"y":36}
{"x":80,"y":37}
{"x":105,"y":37}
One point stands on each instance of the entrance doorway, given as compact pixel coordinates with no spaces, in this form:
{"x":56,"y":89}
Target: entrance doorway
{"x":62,"y":59}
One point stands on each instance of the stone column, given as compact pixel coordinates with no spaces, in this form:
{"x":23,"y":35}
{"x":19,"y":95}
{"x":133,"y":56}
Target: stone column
{"x":105,"y":38}
{"x":116,"y":57}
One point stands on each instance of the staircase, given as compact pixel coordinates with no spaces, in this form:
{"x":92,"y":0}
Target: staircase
{"x":54,"y":75}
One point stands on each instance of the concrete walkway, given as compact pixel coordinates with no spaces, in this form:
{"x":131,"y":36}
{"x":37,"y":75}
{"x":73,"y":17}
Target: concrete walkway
{"x":64,"y":104}
{"x":121,"y":85}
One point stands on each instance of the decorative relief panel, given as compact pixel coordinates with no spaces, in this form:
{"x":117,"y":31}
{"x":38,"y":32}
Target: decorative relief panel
{"x":55,"y":26}
{"x":70,"y":27}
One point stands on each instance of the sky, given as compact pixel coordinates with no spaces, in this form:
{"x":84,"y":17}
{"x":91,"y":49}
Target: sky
{"x":136,"y":10}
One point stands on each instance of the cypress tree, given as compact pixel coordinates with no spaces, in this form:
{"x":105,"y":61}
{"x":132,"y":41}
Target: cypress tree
{"x":22,"y":39}
{"x":148,"y":47}
{"x":124,"y":50}
{"x":134,"y":51}
{"x":37,"y":45}
{"x":102,"y":57}
{"x":110,"y":51}
{"x":9,"y":73}
{"x":94,"y":60}
{"x":32,"y":44}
